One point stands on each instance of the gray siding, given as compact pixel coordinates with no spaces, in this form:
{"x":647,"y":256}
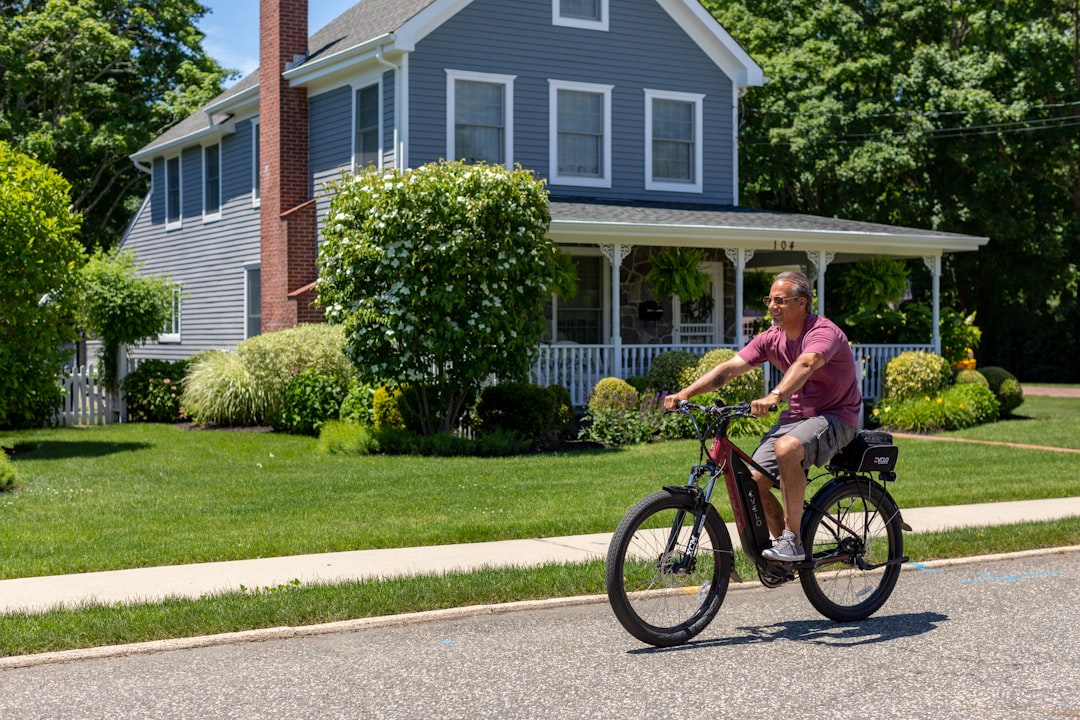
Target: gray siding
{"x":329,"y":140}
{"x":644,"y":48}
{"x":389,"y":97}
{"x":208,"y":259}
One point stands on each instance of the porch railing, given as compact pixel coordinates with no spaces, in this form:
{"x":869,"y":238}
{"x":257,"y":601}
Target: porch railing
{"x":579,"y":367}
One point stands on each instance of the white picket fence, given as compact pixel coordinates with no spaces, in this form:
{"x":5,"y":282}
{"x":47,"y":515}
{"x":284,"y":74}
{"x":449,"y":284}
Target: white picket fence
{"x":86,"y":401}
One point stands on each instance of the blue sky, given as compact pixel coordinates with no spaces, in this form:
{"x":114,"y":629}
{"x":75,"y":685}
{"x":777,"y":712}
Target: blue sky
{"x":232,"y":29}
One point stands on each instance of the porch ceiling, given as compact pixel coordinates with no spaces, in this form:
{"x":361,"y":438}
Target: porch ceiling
{"x":725,"y":226}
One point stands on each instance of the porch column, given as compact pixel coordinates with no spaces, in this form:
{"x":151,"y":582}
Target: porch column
{"x":934,"y":263}
{"x":821,"y":260}
{"x":615,"y":255}
{"x":739,"y":257}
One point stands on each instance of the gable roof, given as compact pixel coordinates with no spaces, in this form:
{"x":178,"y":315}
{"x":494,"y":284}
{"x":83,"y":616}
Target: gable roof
{"x":397,"y":25}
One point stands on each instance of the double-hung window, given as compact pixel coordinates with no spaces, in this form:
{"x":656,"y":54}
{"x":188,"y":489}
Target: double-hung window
{"x":212,"y":182}
{"x":673,"y":147}
{"x":587,"y":14}
{"x":368,"y":147}
{"x":171,"y":332}
{"x":480,"y":117}
{"x":580,"y":134}
{"x":173,"y":215}
{"x":252,"y":301}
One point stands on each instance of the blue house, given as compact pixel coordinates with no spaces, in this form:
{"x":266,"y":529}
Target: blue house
{"x":628,"y":109}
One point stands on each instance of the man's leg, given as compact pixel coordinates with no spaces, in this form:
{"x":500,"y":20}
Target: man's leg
{"x":789,"y":456}
{"x":774,"y":513}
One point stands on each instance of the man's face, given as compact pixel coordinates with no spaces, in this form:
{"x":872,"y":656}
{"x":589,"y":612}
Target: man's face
{"x":794,"y":307}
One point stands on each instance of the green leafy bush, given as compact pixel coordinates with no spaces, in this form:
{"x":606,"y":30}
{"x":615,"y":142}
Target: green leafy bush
{"x":337,"y":437}
{"x":1005,"y":387}
{"x":219,"y":389}
{"x":667,"y":368}
{"x":964,"y":377}
{"x":358,"y":407}
{"x":386,"y":410}
{"x":915,"y":374}
{"x":7,"y":471}
{"x":957,"y":407}
{"x":746,"y":387}
{"x":308,"y":400}
{"x":275,"y":358}
{"x":542,"y":415}
{"x":612,"y":393}
{"x":40,"y":257}
{"x":154,"y":390}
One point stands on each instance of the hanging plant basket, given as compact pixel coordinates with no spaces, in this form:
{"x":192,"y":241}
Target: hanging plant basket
{"x":676,"y":272}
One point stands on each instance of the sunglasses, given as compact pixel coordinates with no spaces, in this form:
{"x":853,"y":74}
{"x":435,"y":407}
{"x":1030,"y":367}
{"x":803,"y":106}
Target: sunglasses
{"x":781,"y":301}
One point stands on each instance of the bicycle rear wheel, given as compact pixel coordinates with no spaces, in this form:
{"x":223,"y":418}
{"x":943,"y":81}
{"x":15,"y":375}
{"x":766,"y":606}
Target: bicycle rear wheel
{"x":854,"y":532}
{"x":663,"y":592}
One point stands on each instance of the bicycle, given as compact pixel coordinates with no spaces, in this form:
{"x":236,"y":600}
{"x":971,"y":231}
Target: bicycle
{"x":671,"y":558}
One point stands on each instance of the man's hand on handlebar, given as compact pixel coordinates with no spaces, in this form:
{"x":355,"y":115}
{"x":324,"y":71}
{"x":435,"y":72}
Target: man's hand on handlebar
{"x":671,"y":402}
{"x":764,"y":406}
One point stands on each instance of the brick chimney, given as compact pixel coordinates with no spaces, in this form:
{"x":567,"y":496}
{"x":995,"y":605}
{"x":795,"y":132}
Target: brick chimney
{"x":288,"y":220}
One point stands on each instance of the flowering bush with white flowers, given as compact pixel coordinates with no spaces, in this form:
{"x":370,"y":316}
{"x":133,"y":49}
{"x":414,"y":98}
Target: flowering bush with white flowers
{"x":439,"y":275}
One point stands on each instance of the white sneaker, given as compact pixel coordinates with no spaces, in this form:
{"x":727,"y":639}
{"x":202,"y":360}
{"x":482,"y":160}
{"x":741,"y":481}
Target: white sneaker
{"x":785,"y":549}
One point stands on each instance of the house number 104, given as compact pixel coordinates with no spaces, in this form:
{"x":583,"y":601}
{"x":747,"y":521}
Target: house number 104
{"x":783,"y":245}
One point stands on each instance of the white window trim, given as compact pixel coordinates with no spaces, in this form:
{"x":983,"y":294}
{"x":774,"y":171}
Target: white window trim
{"x":554,"y":86}
{"x":507,"y":81}
{"x":214,"y":216}
{"x":256,"y":192}
{"x":558,"y":19}
{"x":177,"y":318}
{"x":356,"y":88}
{"x":179,"y":222}
{"x":696,"y":185}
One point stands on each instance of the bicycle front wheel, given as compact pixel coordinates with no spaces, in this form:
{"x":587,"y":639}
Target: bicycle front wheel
{"x":662,"y":590}
{"x":854,"y":536}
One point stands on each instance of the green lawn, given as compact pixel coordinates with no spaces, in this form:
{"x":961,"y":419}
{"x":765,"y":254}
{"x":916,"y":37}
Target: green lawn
{"x":141,"y":495}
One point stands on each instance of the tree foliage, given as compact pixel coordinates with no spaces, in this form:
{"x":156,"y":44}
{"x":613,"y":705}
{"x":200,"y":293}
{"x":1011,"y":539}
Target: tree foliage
{"x":86,"y":83}
{"x":121,"y":306}
{"x":440,"y":276}
{"x":39,"y":270}
{"x":952,"y":116}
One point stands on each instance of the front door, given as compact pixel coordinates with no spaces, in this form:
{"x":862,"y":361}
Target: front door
{"x":701,"y":321}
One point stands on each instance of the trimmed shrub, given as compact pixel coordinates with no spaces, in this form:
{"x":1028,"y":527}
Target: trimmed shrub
{"x":915,"y":374}
{"x":7,"y":471}
{"x":974,"y":377}
{"x":220,"y":389}
{"x":541,"y":415}
{"x":613,"y":393}
{"x":746,"y":387}
{"x":667,"y":368}
{"x":154,"y":389}
{"x":957,"y":407}
{"x":346,"y":438}
{"x":307,"y":401}
{"x":1005,"y":387}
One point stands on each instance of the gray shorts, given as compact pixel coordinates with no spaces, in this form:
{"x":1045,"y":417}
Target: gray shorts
{"x":821,"y":438}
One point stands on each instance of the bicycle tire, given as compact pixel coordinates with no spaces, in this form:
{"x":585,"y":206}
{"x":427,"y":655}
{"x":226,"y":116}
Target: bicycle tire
{"x":664,"y":598}
{"x":860,"y":521}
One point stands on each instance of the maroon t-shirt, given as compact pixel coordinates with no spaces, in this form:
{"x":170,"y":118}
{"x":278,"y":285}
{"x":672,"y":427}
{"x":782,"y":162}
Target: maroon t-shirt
{"x":833,"y":389}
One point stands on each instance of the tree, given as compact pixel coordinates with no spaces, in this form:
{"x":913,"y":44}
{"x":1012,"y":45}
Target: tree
{"x":39,"y":265}
{"x":440,"y":276}
{"x":951,"y":116}
{"x":86,"y":83}
{"x":121,"y":306}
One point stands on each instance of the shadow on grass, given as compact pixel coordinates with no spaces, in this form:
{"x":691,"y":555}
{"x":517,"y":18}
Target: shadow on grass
{"x":59,"y":450}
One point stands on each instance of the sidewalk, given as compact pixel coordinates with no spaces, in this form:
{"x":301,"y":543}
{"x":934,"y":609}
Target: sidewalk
{"x":38,"y":594}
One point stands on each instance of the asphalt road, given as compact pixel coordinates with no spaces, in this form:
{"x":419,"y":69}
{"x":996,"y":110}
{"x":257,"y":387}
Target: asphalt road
{"x":996,"y":639}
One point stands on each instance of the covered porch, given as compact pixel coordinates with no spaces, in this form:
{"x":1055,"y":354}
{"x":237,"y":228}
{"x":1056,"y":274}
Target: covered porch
{"x":618,"y":325}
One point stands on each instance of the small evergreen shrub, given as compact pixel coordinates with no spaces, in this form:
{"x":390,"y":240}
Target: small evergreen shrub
{"x":613,"y":393}
{"x":337,"y":437}
{"x":915,"y":374}
{"x":746,"y":387}
{"x":667,"y":368}
{"x":386,"y":410}
{"x":964,"y":377}
{"x":1005,"y":387}
{"x":639,"y":383}
{"x":7,"y":472}
{"x":542,"y":415}
{"x":308,"y":400}
{"x":957,"y":407}
{"x":219,"y":389}
{"x":154,"y":389}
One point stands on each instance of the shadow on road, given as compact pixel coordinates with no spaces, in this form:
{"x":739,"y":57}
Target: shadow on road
{"x":881,"y":628}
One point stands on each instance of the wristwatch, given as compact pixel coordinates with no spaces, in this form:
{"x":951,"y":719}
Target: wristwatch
{"x":777,"y":393}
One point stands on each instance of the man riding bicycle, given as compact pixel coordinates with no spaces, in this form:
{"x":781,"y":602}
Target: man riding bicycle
{"x":823,"y":397}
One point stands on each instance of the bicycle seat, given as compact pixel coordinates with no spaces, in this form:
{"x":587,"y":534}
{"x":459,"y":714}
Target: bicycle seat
{"x":869,"y":451}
